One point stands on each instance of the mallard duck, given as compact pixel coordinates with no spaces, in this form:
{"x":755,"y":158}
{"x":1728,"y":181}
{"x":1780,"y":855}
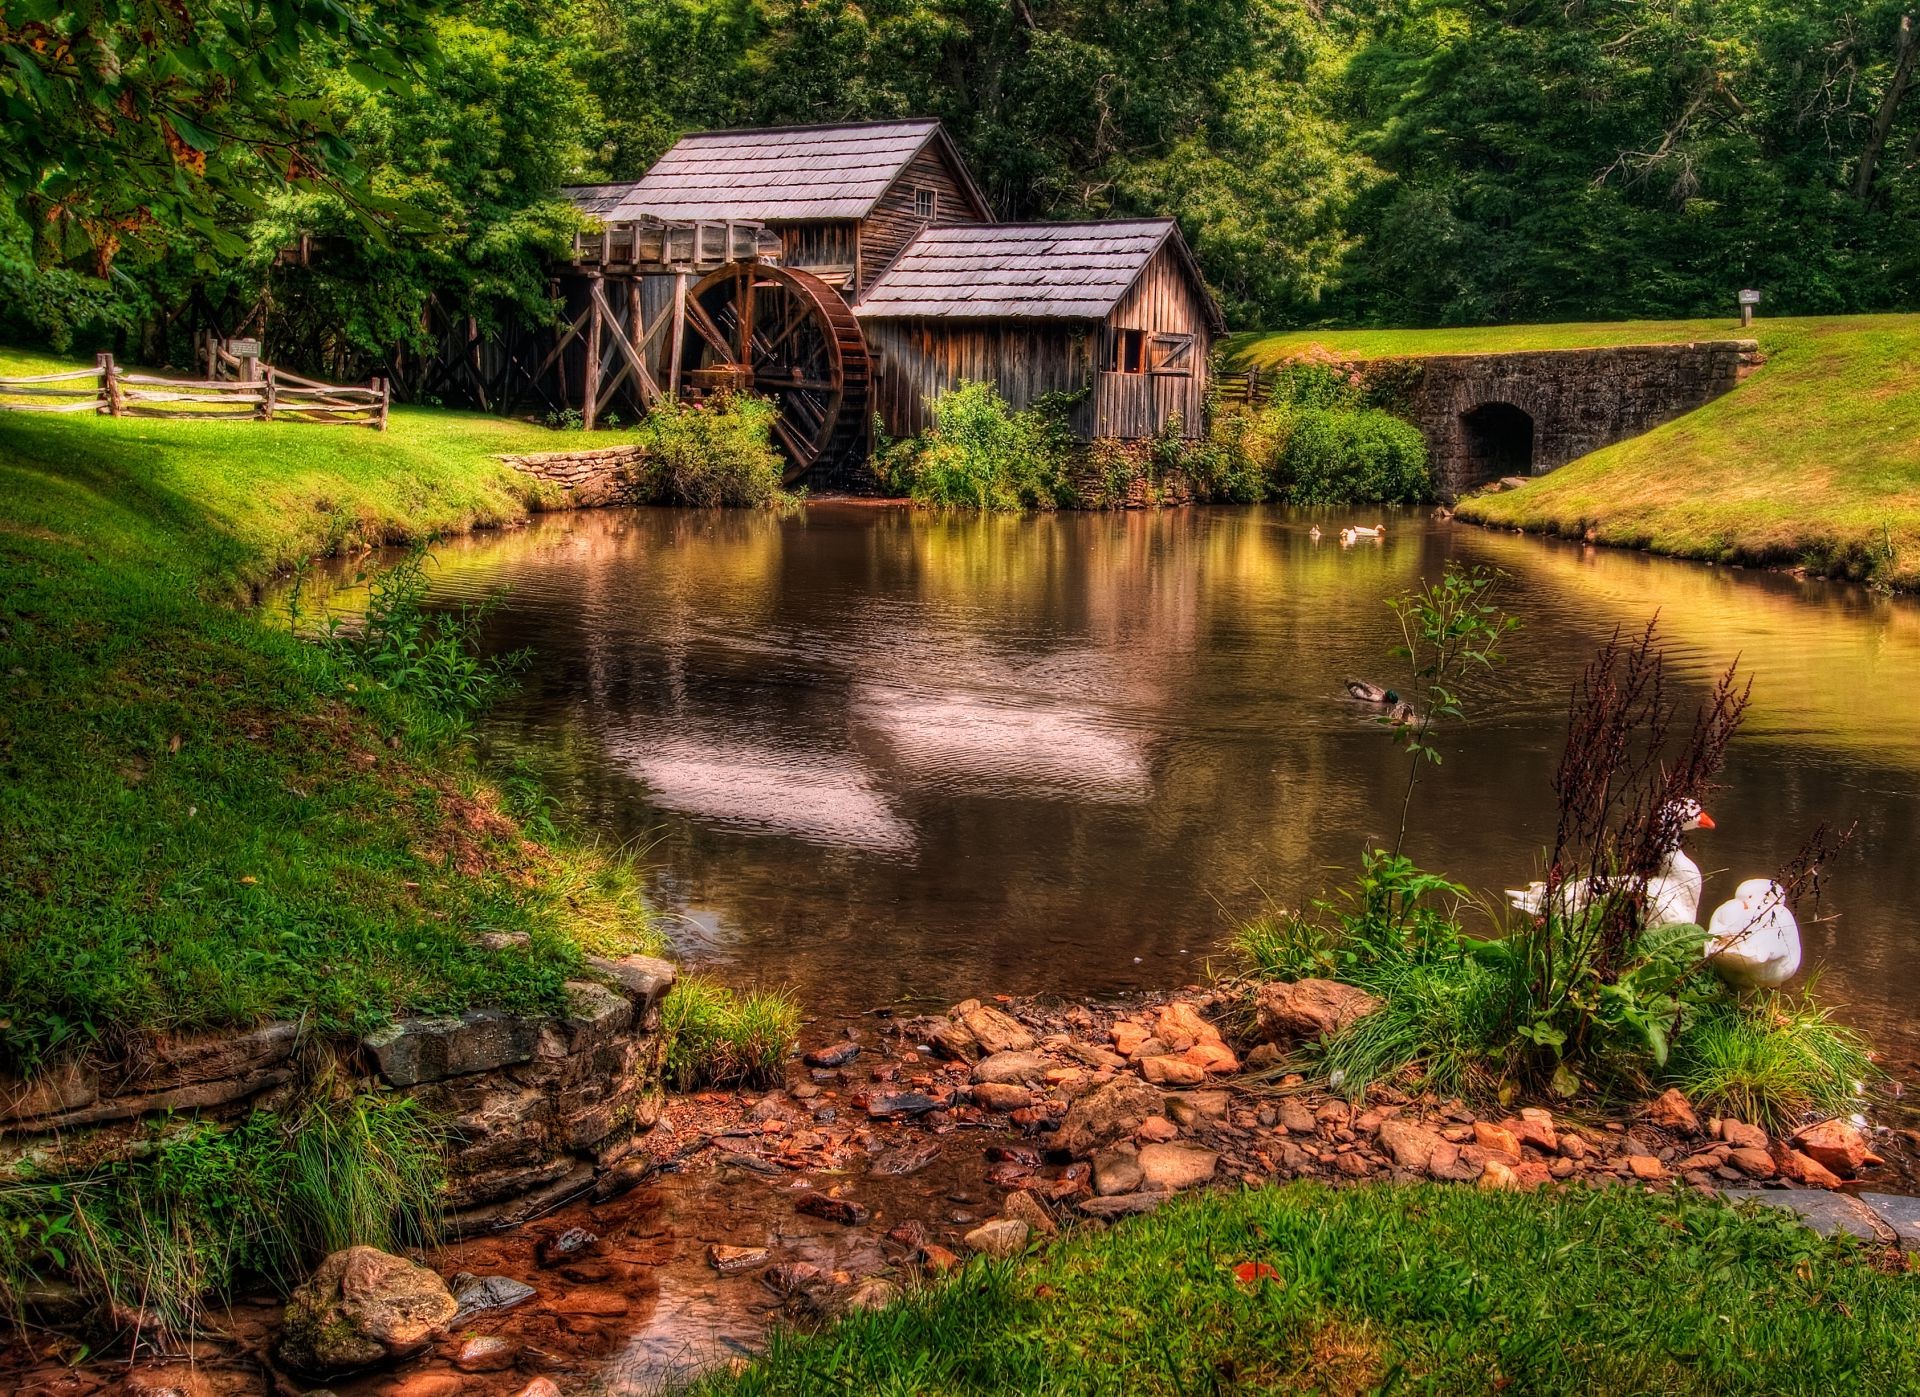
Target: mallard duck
{"x":1369,"y":692}
{"x":1362,"y":531}
{"x":1753,"y":941}
{"x":1402,"y":714}
{"x":1314,"y":533}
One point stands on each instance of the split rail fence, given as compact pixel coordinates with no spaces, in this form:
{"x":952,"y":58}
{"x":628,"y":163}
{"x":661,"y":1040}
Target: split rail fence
{"x":274,"y":395}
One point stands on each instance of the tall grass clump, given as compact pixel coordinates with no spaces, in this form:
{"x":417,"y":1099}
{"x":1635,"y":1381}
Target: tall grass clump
{"x":713,"y":455}
{"x":981,"y":453}
{"x":720,"y":1037}
{"x":149,"y":1238}
{"x":1774,"y":1061}
{"x":1318,"y":438}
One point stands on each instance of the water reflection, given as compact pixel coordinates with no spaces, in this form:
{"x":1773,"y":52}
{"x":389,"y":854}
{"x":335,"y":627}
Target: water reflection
{"x":884,"y":753}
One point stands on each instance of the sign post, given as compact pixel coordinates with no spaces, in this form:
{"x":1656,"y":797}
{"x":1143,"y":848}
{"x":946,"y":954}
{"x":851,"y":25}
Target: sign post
{"x":248,"y":353}
{"x":1748,"y":300}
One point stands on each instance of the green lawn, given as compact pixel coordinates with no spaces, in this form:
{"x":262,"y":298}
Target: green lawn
{"x":1261,"y":349}
{"x":204,"y":821}
{"x":1814,"y":460}
{"x":1378,"y":1288}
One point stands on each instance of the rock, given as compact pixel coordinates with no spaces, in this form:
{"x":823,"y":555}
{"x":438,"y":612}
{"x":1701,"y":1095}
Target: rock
{"x":1215,"y":1059}
{"x":1534,"y":1126}
{"x":1175,"y":1167}
{"x":822,"y":1205}
{"x":951,"y":1040}
{"x":1108,"y":1113}
{"x":1023,"y":1069}
{"x":937,"y":1258}
{"x":999,"y":1096}
{"x":885,"y":1105}
{"x":165,"y":1380}
{"x":1156,"y":1130}
{"x":1804,"y":1169}
{"x":1672,"y":1111}
{"x":551,"y":1251}
{"x":1495,"y":1139}
{"x":1024,"y":1207}
{"x":361,"y":1307}
{"x":1163,"y":1070}
{"x":1645,"y":1167}
{"x":835,"y":1055}
{"x":996,"y":1032}
{"x":594,"y":1302}
{"x":1497,"y":1176}
{"x":414,"y":1051}
{"x":1295,"y":1118}
{"x":908,"y":1159}
{"x":1574,"y":1146}
{"x":1450,"y":1166}
{"x":870,"y":1293}
{"x":1308,"y":1009}
{"x":1837,"y":1145}
{"x":1410,"y":1146}
{"x":1743,"y":1136}
{"x":730,"y":1261}
{"x":1127,"y":1036}
{"x":1001,"y":1237}
{"x":1117,"y":1171}
{"x":1124,"y":1205}
{"x":486,"y":1353}
{"x":1264,"y":1056}
{"x":644,"y":979}
{"x":539,"y":1387}
{"x":478,"y":1295}
{"x":1180,"y":1026}
{"x":1755,"y":1164}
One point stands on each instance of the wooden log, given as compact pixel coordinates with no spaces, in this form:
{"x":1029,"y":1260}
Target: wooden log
{"x":190,"y":416}
{"x":680,"y":284}
{"x":21,"y":391}
{"x":85,"y":405}
{"x":386,"y":400}
{"x":272,"y":391}
{"x":649,"y":390}
{"x":113,"y":402}
{"x":10,"y":383}
{"x":147,"y":395}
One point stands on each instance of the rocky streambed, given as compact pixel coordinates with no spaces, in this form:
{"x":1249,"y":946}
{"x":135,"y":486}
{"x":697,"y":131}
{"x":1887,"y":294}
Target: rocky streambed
{"x":900,"y":1147}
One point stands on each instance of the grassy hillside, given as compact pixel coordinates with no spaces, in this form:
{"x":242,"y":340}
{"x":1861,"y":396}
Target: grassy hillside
{"x":1376,"y":1288}
{"x":1260,"y":349}
{"x":204,"y":821}
{"x":1813,"y":461}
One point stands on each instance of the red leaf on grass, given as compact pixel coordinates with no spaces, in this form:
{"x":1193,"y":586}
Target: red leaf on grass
{"x":1250,"y":1272}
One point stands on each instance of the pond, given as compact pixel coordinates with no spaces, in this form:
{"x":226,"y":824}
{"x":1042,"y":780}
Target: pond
{"x":874,"y":754}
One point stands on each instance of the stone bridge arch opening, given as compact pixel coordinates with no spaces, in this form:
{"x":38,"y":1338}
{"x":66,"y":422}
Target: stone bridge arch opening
{"x":1498,"y":441}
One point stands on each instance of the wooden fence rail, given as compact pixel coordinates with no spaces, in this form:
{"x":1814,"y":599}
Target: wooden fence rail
{"x":113,"y":392}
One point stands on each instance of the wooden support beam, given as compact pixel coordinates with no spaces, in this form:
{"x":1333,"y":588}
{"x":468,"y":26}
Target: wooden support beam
{"x":649,"y":390}
{"x":590,"y":392}
{"x":680,"y":283}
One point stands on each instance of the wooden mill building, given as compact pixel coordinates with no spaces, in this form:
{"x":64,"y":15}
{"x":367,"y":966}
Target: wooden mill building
{"x":854,"y":271}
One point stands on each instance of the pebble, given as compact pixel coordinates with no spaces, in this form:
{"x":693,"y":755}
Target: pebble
{"x":999,"y":1237}
{"x":840,"y":1210}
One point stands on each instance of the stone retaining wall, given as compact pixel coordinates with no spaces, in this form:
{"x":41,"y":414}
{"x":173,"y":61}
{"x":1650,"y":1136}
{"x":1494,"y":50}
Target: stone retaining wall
{"x":537,"y":1107}
{"x":590,"y":477}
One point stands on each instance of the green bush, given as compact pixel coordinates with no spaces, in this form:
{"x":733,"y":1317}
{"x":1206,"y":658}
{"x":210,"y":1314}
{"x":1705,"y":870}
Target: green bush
{"x":711,"y":456}
{"x":718,"y":1037}
{"x":981,"y":453}
{"x":203,"y":1205}
{"x":1772,"y":1062}
{"x":1347,"y":455}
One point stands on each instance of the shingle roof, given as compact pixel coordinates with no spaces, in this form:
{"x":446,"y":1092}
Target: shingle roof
{"x":781,"y":174}
{"x":598,"y":200}
{"x":1067,"y":271}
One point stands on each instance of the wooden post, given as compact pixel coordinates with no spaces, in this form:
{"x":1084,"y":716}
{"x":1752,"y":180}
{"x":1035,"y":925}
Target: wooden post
{"x":591,"y":390}
{"x":385,"y":385}
{"x":637,"y":335}
{"x":109,"y":384}
{"x":680,"y":280}
{"x":268,"y":402}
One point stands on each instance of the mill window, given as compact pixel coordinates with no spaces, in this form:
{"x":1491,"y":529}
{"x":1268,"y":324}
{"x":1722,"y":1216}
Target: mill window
{"x":1126,"y":352}
{"x":926,"y":204}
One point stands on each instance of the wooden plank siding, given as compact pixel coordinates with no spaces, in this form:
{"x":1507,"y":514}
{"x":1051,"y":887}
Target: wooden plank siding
{"x":920,"y":360}
{"x":823,"y":247}
{"x":1161,"y":303}
{"x":895,"y":221}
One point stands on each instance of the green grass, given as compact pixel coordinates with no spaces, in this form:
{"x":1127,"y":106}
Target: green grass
{"x":206,"y":822}
{"x":719,"y":1037}
{"x":1260,"y":349}
{"x":1774,"y":1062}
{"x":1416,"y":1289}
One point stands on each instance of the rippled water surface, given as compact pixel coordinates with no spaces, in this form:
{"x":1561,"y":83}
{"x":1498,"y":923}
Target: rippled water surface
{"x":874,"y":753}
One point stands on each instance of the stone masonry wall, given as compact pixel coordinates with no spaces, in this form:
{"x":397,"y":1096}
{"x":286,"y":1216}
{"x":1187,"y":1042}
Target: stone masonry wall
{"x":537,"y":1107}
{"x":590,"y":477}
{"x":1579,"y":400}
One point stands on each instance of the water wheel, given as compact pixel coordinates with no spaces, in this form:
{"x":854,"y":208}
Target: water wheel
{"x":789,"y":337}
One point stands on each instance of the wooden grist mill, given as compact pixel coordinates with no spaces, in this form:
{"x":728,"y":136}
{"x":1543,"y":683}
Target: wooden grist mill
{"x":845,"y":273}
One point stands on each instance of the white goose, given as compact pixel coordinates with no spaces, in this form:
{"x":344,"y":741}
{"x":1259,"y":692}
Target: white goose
{"x":1673,"y":892}
{"x":1753,"y":941}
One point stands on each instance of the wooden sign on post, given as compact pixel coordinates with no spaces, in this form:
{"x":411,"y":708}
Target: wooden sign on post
{"x":1748,"y":300}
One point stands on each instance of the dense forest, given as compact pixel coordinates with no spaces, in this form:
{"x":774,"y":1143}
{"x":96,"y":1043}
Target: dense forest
{"x":1403,"y":162}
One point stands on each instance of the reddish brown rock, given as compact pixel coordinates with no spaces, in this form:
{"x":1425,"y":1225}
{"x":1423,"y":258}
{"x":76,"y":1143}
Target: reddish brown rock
{"x":1755,"y":1164}
{"x":1164,"y":1070}
{"x":1108,"y":1113}
{"x":1743,"y":1136}
{"x":1174,"y":1167}
{"x":1803,"y":1169}
{"x":1128,"y":1036}
{"x":1671,"y":1110}
{"x":1534,"y":1126}
{"x":1837,"y":1145}
{"x":1215,"y":1059}
{"x":997,"y":1096}
{"x":1496,"y":1140}
{"x":1410,"y":1146}
{"x":1180,"y":1027}
{"x":996,"y":1032}
{"x":1646,"y":1167}
{"x":1157,"y":1130}
{"x":360,"y":1307}
{"x":1498,"y":1177}
{"x":1291,"y":1011}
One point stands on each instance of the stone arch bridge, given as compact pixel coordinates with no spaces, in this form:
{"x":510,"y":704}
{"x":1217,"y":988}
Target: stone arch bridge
{"x":1490,"y":416}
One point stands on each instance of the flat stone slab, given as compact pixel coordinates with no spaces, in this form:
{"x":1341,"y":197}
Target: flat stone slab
{"x":1897,"y":1211}
{"x":413,"y":1051}
{"x":646,"y":979}
{"x":1826,"y":1213}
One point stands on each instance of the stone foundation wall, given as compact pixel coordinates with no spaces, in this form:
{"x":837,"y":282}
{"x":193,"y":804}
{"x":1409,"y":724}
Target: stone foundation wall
{"x":590,"y":477}
{"x":1579,"y":400}
{"x":537,"y":1107}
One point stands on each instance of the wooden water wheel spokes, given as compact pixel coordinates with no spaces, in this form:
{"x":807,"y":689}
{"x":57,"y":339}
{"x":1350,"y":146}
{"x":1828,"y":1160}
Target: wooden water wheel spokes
{"x":788,"y":336}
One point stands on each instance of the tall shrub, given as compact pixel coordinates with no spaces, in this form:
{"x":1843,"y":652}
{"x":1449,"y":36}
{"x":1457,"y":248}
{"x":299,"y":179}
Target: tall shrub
{"x":1344,"y":455}
{"x":709,"y":456}
{"x":981,"y":453}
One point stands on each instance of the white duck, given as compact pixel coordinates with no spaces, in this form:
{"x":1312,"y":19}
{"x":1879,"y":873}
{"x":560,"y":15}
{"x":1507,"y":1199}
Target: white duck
{"x":1673,"y":892}
{"x":1753,"y":941}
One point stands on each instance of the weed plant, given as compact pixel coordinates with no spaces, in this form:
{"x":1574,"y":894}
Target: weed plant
{"x":720,"y":1037}
{"x":710,"y":455}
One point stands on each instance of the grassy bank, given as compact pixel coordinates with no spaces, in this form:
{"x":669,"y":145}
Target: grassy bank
{"x":1814,"y":461}
{"x":204,"y":821}
{"x":1388,"y":1288}
{"x":1261,"y":349}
